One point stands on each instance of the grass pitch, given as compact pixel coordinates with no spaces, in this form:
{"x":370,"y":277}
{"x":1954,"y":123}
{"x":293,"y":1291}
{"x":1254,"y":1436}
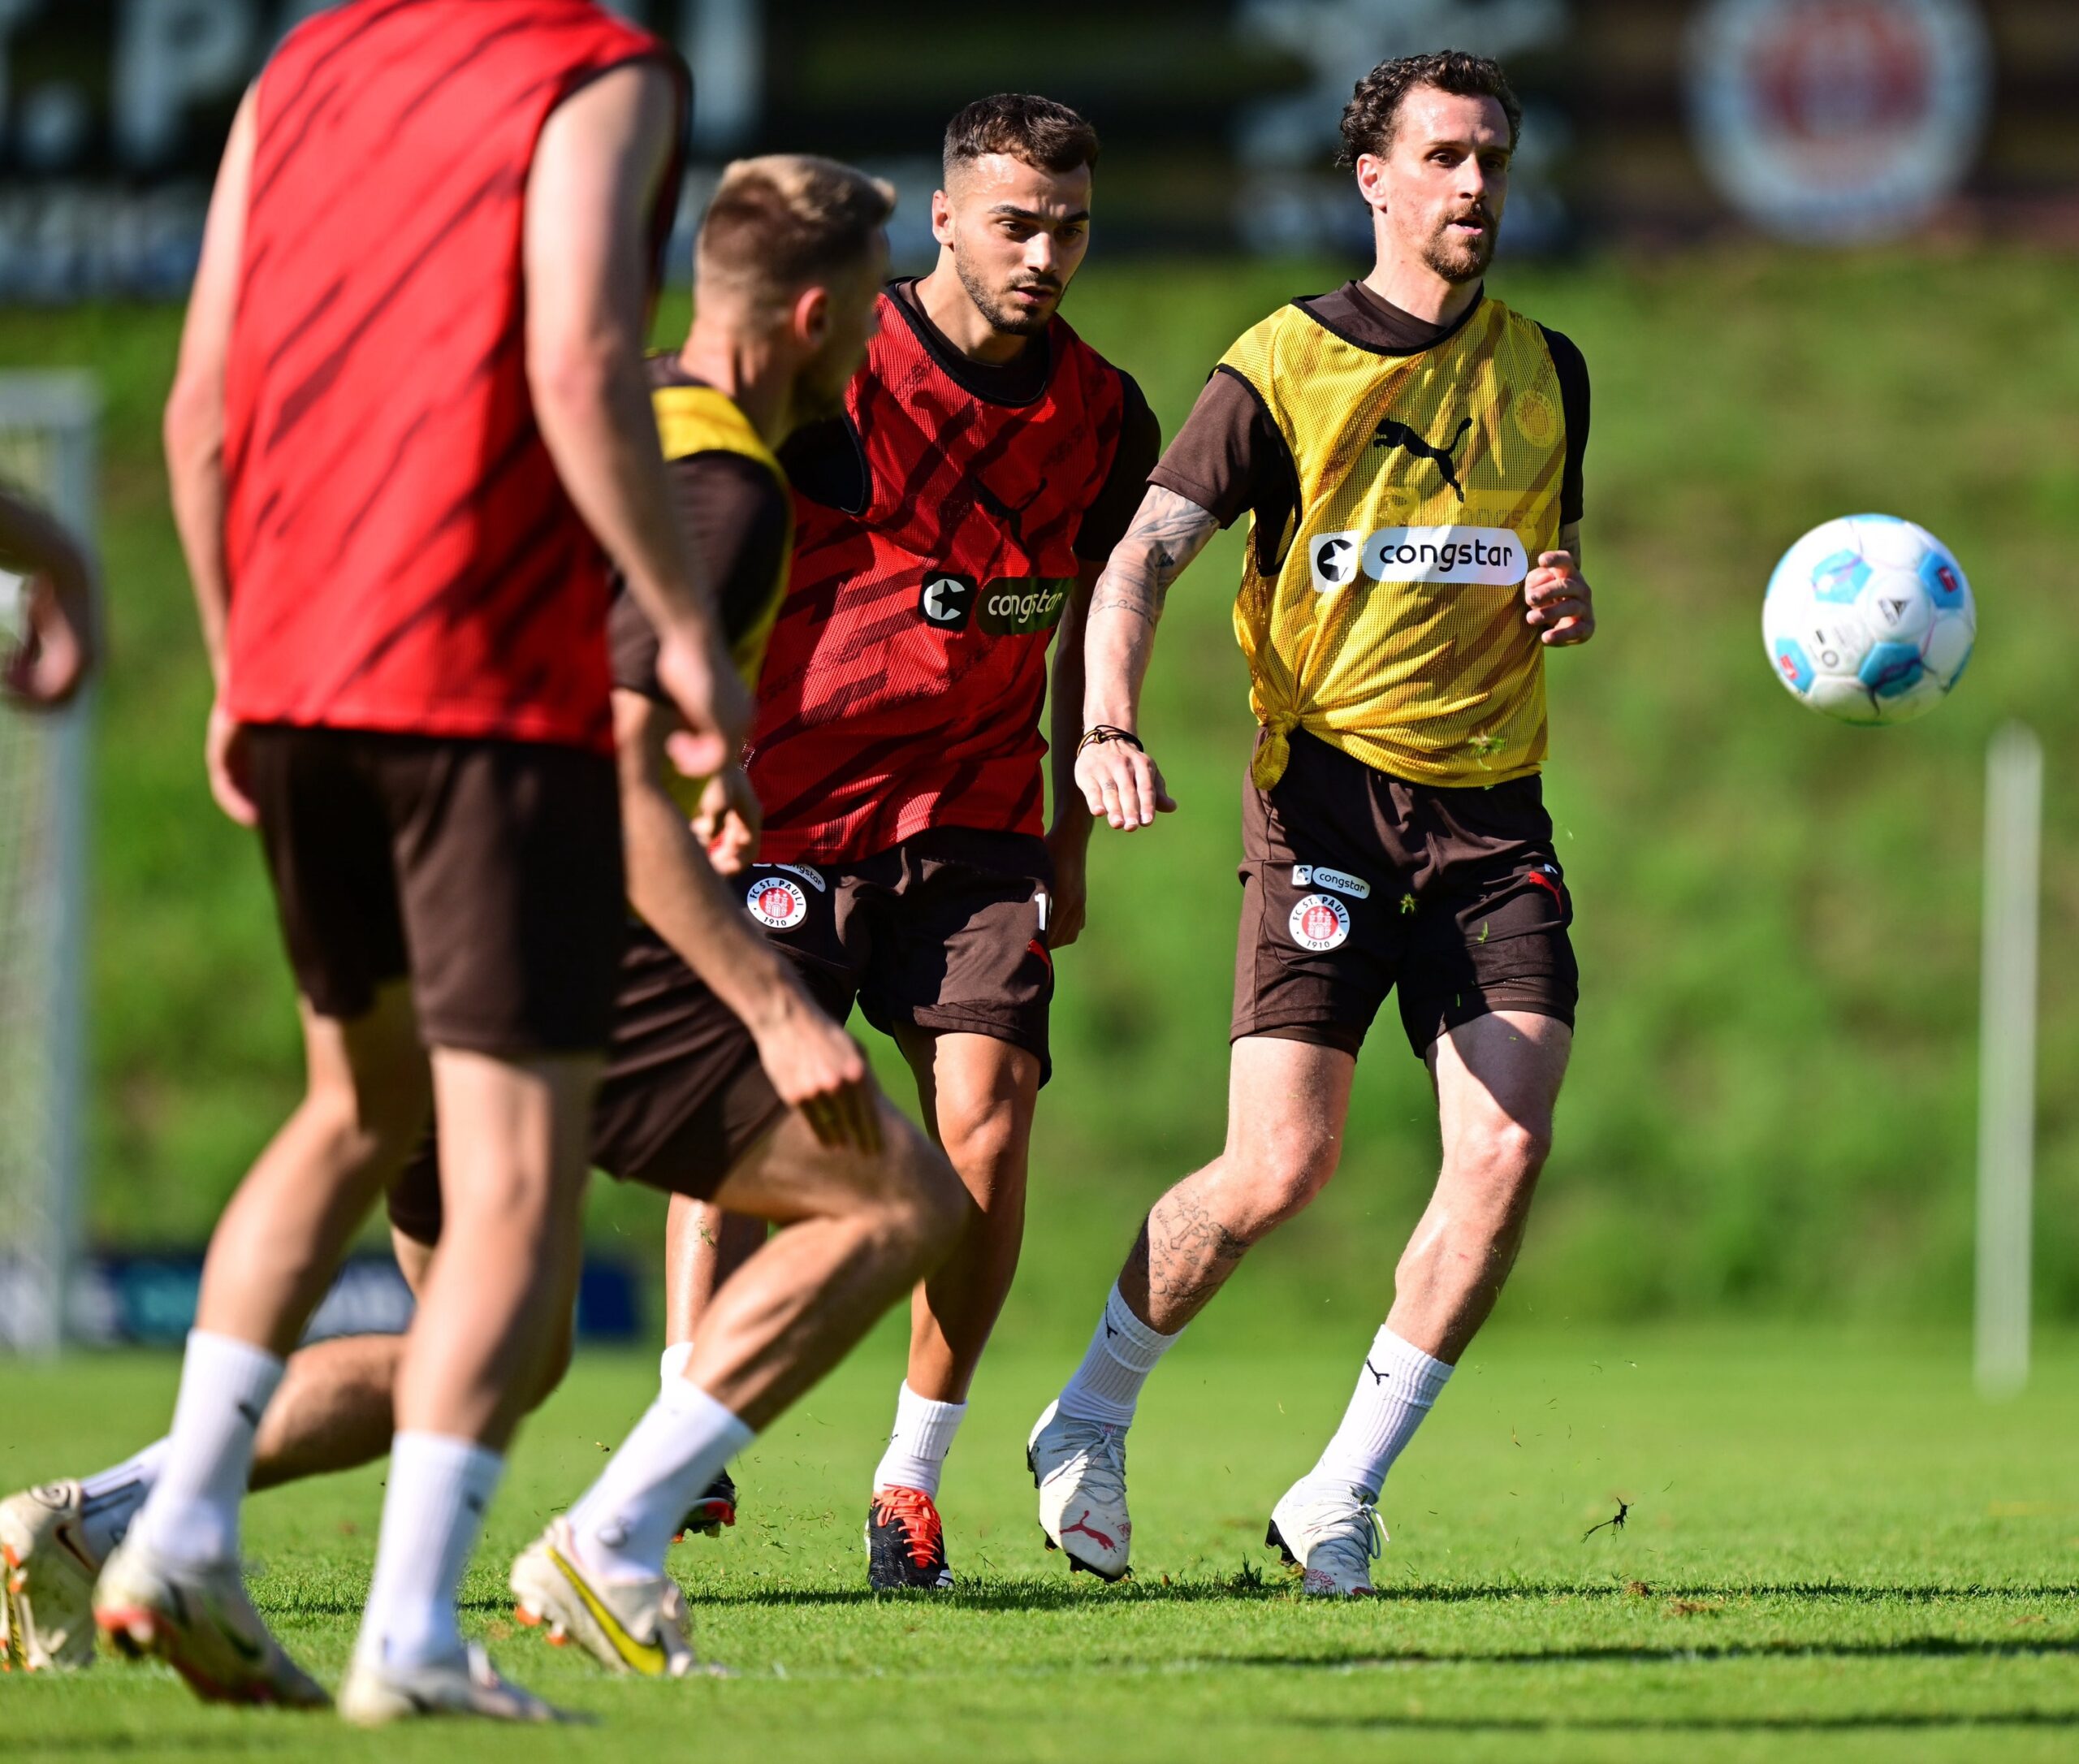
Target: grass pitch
{"x":1833,"y":1549}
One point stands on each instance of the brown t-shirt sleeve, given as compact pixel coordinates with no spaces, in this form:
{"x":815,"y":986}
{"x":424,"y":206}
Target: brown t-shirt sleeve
{"x":733,"y":514}
{"x":1105,"y":521}
{"x":1572,"y":368}
{"x":1230,"y":459}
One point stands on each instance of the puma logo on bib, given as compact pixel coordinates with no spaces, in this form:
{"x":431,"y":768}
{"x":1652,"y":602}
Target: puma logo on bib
{"x":1393,"y":433}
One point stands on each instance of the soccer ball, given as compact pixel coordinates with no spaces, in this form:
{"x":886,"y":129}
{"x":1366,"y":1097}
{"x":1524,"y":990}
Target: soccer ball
{"x":1869,"y":619}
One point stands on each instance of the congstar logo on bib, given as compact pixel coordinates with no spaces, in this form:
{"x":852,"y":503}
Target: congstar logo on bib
{"x":1022,"y":605}
{"x":1011,"y":605}
{"x":1490,"y":557}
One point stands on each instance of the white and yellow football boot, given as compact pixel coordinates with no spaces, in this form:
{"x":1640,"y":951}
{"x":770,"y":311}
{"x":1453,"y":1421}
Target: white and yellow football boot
{"x":640,"y":1627}
{"x":46,"y":1609}
{"x":201,"y":1622}
{"x":376,"y":1694}
{"x":1079,"y":1469}
{"x":1332,"y":1534}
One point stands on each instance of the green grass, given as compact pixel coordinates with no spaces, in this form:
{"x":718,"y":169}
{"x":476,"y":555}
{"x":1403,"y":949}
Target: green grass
{"x":1771,"y":1107}
{"x":1834,"y":1551}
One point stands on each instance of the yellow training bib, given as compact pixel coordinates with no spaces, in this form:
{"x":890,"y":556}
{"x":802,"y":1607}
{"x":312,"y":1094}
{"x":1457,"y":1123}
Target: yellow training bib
{"x":1388,"y":620}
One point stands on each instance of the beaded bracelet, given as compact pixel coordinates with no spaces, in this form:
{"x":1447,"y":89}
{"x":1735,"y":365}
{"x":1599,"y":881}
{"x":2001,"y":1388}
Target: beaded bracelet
{"x":1107,"y":731}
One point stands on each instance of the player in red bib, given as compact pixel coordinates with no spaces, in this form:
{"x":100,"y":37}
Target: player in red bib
{"x":410,"y":411}
{"x":946,"y":526}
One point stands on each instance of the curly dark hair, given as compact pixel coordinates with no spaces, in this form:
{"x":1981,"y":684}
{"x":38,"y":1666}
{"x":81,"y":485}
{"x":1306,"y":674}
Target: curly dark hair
{"x":1374,"y":107}
{"x":1040,"y":132}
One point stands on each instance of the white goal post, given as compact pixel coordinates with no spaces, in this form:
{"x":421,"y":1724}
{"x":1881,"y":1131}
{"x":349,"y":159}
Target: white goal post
{"x":48,"y":423}
{"x":2006,"y":1058}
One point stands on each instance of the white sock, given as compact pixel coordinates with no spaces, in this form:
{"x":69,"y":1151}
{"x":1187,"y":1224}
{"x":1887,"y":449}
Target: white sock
{"x":671,"y":1363}
{"x":1394,"y":1392}
{"x":917,"y":1449}
{"x":433,"y":1512}
{"x":624,"y":1523}
{"x":1122,"y":1353}
{"x":192,"y":1514}
{"x":110,"y":1500}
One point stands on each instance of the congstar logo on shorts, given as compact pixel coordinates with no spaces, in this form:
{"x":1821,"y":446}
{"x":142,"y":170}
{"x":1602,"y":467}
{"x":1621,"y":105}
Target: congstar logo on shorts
{"x":1491,"y":557}
{"x":1320,"y":875}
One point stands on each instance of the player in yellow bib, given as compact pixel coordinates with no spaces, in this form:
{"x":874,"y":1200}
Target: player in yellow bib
{"x":1409,"y":451}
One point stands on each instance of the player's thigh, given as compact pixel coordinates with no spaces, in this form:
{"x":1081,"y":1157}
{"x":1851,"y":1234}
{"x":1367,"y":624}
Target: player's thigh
{"x":789,"y":1175}
{"x":977,"y":1090}
{"x":1498,"y":1080}
{"x":371,"y":1067}
{"x":1288,"y":1101}
{"x":513,"y":1134}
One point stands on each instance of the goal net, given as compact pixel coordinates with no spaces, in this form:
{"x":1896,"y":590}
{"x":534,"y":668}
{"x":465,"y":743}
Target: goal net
{"x":47,"y":432}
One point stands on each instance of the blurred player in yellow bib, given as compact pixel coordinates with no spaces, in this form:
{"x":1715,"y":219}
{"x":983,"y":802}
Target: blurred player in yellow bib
{"x":1409,"y":451}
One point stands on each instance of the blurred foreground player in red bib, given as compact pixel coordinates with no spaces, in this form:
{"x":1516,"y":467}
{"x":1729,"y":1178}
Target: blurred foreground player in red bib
{"x":725,"y":1079}
{"x":410,"y":423}
{"x":987,"y":460}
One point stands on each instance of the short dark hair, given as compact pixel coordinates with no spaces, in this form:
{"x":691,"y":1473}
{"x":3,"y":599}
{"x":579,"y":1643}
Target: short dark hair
{"x":779,"y":222}
{"x":1374,"y":107}
{"x":1040,"y":132}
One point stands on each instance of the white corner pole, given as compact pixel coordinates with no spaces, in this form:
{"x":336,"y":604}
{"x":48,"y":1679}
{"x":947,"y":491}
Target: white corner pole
{"x":2007,"y":1058}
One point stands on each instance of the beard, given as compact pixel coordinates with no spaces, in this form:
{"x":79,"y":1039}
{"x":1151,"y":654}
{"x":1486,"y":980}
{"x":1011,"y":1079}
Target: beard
{"x":1003,"y":314}
{"x":1457,"y":259}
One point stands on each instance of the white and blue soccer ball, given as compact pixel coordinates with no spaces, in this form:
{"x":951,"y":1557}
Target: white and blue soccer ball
{"x":1870,"y":619}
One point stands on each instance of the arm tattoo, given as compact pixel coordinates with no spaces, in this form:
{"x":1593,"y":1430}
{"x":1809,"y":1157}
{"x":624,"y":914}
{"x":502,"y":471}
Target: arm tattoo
{"x":1166,"y":534}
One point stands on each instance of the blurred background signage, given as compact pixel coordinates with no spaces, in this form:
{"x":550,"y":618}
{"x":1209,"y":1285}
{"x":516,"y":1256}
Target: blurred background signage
{"x":1826,"y":119}
{"x":1648,"y":120}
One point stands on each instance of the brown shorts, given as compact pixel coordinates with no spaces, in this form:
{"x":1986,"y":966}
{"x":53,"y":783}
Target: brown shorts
{"x":1354,"y":883}
{"x":488,"y":872}
{"x":947,"y":930}
{"x":683,"y":1097}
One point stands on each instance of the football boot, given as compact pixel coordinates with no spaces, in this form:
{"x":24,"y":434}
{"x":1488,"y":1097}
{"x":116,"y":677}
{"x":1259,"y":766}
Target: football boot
{"x":1332,"y":1534}
{"x":905,"y":1543}
{"x":1079,"y":1467}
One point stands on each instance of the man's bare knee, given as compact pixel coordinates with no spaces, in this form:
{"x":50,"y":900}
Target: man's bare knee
{"x":1278,"y":1182}
{"x":1504,"y":1154}
{"x":982,"y":1138}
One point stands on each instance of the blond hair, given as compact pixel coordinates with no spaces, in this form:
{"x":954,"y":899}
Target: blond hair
{"x":780,"y":222}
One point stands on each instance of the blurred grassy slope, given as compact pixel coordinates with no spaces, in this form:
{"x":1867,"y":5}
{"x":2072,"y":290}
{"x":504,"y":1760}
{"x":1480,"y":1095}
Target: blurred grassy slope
{"x":1772,"y":1101}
